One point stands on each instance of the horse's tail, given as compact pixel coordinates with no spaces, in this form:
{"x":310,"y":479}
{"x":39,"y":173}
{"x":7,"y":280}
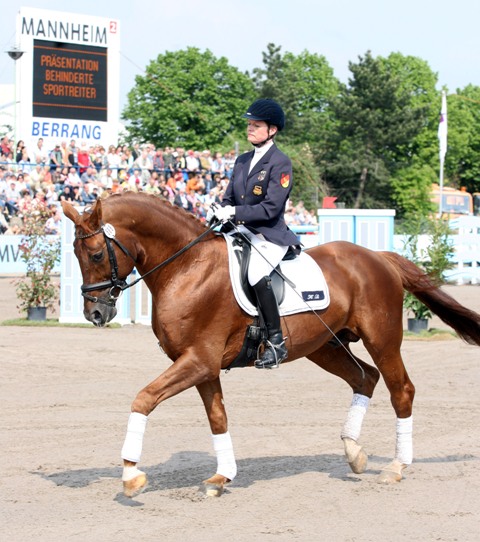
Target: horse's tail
{"x":464,"y":321}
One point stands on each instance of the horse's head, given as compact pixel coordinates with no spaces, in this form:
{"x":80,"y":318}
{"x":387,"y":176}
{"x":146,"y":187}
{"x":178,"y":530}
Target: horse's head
{"x":105,"y":261}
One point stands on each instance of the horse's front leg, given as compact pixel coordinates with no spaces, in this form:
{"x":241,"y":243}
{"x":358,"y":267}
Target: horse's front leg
{"x":186,"y":372}
{"x":212,"y":397}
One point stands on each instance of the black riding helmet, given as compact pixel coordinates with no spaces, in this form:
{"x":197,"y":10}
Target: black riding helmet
{"x":267,"y":110}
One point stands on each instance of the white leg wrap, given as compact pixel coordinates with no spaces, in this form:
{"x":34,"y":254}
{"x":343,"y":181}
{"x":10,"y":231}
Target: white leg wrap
{"x":356,"y":413}
{"x":404,"y":446}
{"x":226,"y":465}
{"x":132,"y":447}
{"x":129,"y":473}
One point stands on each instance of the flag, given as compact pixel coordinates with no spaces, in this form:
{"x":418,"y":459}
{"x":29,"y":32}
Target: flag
{"x":442,"y":128}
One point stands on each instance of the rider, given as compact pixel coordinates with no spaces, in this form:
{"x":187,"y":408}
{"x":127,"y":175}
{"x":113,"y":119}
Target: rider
{"x":254,"y":201}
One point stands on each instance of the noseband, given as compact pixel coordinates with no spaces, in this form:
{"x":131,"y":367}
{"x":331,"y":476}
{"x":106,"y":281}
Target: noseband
{"x":115,"y":284}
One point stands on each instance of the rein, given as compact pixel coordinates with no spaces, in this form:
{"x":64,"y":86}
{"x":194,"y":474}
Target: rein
{"x":114,"y":283}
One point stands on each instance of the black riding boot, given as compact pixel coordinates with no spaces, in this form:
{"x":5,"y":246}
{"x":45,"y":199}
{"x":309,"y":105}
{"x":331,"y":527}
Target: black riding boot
{"x":275,"y":351}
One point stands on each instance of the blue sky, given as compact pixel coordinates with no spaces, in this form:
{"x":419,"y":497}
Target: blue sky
{"x":445,"y":34}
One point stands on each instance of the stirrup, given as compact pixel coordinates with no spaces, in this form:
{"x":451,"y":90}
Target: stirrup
{"x":279,"y":353}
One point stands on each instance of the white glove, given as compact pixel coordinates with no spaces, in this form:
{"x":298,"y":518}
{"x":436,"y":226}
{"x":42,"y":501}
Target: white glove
{"x":210,"y":213}
{"x":224,"y":213}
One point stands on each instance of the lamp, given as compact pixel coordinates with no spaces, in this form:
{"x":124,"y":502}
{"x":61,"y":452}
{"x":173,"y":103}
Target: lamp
{"x":15,"y":54}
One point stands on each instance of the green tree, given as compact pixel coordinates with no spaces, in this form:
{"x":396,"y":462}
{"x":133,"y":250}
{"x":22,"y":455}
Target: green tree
{"x":188,"y":98}
{"x":419,"y":81}
{"x":462,"y":161}
{"x":376,"y":121}
{"x":304,"y":85}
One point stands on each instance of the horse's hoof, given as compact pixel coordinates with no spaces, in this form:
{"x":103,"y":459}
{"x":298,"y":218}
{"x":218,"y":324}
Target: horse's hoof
{"x":392,"y":473}
{"x":356,"y":456}
{"x":135,"y":486}
{"x":359,"y":464}
{"x":214,"y":486}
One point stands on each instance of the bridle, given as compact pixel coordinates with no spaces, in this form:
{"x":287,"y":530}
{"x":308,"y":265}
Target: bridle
{"x":116,"y":284}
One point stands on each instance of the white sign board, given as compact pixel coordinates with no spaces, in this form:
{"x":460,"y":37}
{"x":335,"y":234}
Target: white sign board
{"x":67,"y":80}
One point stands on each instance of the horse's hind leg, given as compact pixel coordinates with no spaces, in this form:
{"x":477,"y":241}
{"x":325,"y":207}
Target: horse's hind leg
{"x":385,"y":352}
{"x":339,"y":360}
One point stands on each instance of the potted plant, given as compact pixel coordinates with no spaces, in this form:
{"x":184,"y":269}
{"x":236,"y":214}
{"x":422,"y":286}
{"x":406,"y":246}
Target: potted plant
{"x":435,"y":259}
{"x":36,"y":290}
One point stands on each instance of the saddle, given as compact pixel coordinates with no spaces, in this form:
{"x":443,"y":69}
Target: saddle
{"x":242,"y":250}
{"x":298,"y":283}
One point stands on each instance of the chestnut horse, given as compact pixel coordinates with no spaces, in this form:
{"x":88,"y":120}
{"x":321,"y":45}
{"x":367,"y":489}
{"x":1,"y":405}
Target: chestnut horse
{"x":201,"y":328}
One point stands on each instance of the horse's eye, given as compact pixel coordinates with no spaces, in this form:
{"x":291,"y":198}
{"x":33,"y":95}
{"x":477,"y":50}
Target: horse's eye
{"x":98,"y":257}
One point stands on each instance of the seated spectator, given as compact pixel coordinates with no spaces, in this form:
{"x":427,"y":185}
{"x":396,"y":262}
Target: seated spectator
{"x":25,"y":205}
{"x":67,"y":194}
{"x":54,"y":224}
{"x":39,"y":202}
{"x":55,"y":158}
{"x":135,"y":180}
{"x":218,"y":165}
{"x":36,"y":176}
{"x":5,"y":145}
{"x":19,"y":151}
{"x":209,"y":198}
{"x":205,"y":161}
{"x":3,"y":224}
{"x":192,"y":163}
{"x":14,"y":227}
{"x":158,"y":161}
{"x":195,"y":182}
{"x":73,"y":179}
{"x":105,"y":180}
{"x":24,"y":164}
{"x":88,"y":193}
{"x":179,"y":180}
{"x":144,"y":163}
{"x":21,"y":182}
{"x":78,"y":195}
{"x":181,"y":200}
{"x":12,"y":197}
{"x":113,"y":159}
{"x":51,"y":196}
{"x":83,"y":158}
{"x":152,"y":187}
{"x":89,"y":175}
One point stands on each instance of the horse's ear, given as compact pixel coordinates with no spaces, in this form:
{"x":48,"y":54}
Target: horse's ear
{"x":95,"y":216}
{"x":70,"y":212}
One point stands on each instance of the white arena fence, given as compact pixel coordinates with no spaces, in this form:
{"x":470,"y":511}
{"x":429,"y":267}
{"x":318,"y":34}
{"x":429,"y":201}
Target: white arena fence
{"x":135,"y":304}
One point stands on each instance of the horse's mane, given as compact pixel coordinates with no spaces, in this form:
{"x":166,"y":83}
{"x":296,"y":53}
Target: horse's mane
{"x":149,"y":203}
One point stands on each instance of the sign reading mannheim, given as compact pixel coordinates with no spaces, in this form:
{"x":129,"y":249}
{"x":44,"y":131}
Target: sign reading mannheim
{"x":72,"y":63}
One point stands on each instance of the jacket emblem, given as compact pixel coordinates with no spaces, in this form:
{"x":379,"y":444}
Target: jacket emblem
{"x":262,"y":175}
{"x":285,"y":180}
{"x":257,"y":190}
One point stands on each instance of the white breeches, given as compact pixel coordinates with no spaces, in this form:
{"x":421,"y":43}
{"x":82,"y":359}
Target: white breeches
{"x":264,"y":257}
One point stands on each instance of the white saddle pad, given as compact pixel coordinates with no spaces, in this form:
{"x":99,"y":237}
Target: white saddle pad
{"x":310,"y":292}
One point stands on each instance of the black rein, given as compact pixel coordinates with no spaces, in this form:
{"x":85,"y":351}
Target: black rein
{"x":115,"y":284}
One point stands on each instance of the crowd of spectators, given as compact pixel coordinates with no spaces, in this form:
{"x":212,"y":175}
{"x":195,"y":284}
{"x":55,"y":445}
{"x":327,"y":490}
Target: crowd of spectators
{"x":36,"y":178}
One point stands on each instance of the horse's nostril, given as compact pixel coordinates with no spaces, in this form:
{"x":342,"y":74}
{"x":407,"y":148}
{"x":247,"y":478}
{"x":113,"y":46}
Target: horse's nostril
{"x":97,"y":318}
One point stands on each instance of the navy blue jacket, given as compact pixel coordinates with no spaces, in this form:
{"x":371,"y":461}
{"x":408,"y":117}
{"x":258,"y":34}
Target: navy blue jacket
{"x":259,"y":197}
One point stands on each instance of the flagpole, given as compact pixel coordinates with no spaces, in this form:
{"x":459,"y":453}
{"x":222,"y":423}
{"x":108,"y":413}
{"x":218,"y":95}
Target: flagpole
{"x":440,"y":209}
{"x":442,"y":138}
